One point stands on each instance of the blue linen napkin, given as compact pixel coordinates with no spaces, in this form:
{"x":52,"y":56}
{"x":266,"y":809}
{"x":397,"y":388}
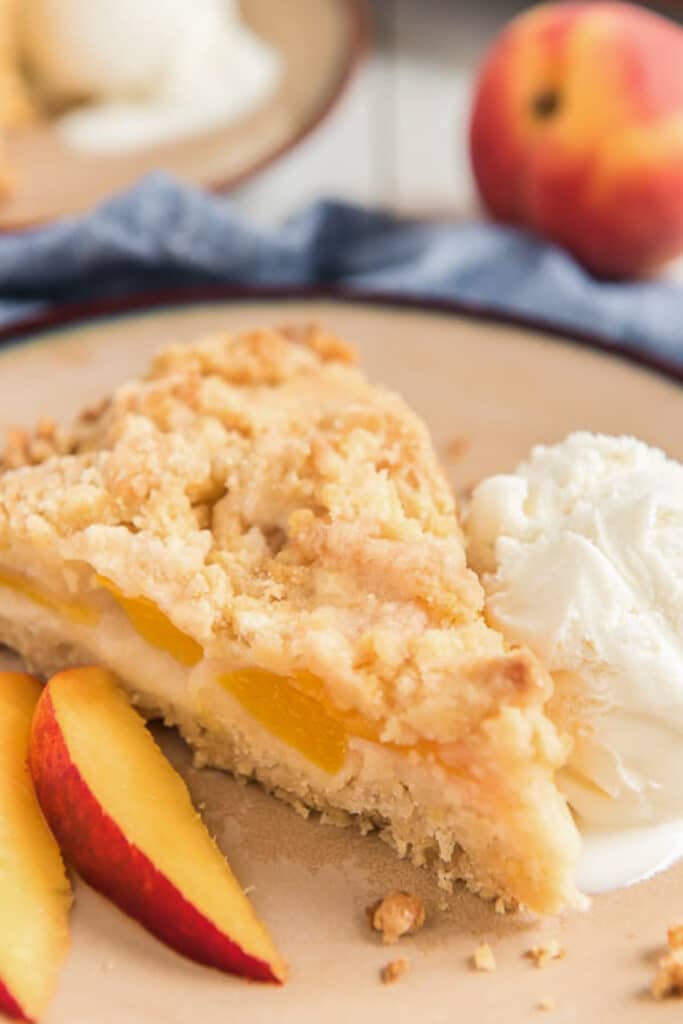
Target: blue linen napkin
{"x":163,"y":234}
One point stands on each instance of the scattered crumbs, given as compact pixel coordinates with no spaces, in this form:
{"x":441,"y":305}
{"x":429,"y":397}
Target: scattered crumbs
{"x":457,"y":447}
{"x":499,"y":906}
{"x":201,"y":806}
{"x":668,"y":981}
{"x":483,"y":958}
{"x":546,"y":1003}
{"x":394,"y":970}
{"x":397,"y":914}
{"x":543,"y":955}
{"x":249,"y":889}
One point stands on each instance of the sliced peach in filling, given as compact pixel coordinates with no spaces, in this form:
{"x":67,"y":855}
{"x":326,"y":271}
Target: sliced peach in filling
{"x":298,"y":719}
{"x":155,"y":627}
{"x":298,"y":712}
{"x":75,"y":612}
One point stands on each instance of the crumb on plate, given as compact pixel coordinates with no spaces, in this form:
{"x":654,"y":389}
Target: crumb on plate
{"x":457,"y":447}
{"x":546,"y":1003}
{"x":668,"y":981}
{"x":543,"y":955}
{"x":483,"y":958}
{"x":397,"y":914}
{"x":394,"y":970}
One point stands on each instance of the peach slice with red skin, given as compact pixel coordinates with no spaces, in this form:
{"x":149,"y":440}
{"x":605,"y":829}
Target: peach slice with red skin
{"x":124,"y":818}
{"x":9,"y":1006}
{"x":35,"y":894}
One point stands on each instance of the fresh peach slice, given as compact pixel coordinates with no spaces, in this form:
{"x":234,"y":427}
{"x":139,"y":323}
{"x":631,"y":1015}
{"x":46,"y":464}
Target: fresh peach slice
{"x":124,"y":818}
{"x":34,"y":891}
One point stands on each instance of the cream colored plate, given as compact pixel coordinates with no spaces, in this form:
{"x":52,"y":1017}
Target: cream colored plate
{"x":494,"y":391}
{"x":319,"y":47}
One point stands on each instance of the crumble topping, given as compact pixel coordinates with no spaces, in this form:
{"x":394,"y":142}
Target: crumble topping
{"x":397,"y":914}
{"x":30,"y":448}
{"x":543,"y":955}
{"x":260,"y":474}
{"x":483,"y":958}
{"x":394,"y":970}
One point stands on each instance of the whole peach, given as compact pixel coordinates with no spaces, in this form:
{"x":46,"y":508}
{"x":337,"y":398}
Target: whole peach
{"x":577,"y":132}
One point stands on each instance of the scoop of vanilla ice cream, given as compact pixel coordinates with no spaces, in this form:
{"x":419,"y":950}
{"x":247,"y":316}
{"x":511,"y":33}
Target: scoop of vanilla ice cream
{"x":581,"y":551}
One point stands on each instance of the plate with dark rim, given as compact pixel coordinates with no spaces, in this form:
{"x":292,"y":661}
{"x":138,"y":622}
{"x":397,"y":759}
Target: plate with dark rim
{"x":54,"y":180}
{"x":488,"y":390}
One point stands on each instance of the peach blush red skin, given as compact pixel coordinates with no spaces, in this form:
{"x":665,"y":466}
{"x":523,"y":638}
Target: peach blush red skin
{"x":534,"y":179}
{"x":153,"y":901}
{"x":10,"y":1007}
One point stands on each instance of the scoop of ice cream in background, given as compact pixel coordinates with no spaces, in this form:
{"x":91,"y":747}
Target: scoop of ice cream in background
{"x":581,"y":551}
{"x":144,"y":73}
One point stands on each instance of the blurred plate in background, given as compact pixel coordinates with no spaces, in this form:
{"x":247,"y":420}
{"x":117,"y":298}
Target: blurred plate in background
{"x":319,"y":48}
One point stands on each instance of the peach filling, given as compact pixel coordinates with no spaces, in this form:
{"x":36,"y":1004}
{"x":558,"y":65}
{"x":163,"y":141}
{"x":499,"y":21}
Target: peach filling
{"x":298,"y":712}
{"x":155,"y":627}
{"x":295,"y":711}
{"x":81,"y":614}
{"x":297,"y":718}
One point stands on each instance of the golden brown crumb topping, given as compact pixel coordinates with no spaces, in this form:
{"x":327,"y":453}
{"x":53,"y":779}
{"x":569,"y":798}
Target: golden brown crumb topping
{"x":394,"y":970}
{"x":258,"y":477}
{"x":24,"y":448}
{"x":396,"y":914}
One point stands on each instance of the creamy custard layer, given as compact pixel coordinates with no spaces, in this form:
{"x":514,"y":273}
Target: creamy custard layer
{"x":129,"y":638}
{"x":128,"y":635}
{"x":295,"y":711}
